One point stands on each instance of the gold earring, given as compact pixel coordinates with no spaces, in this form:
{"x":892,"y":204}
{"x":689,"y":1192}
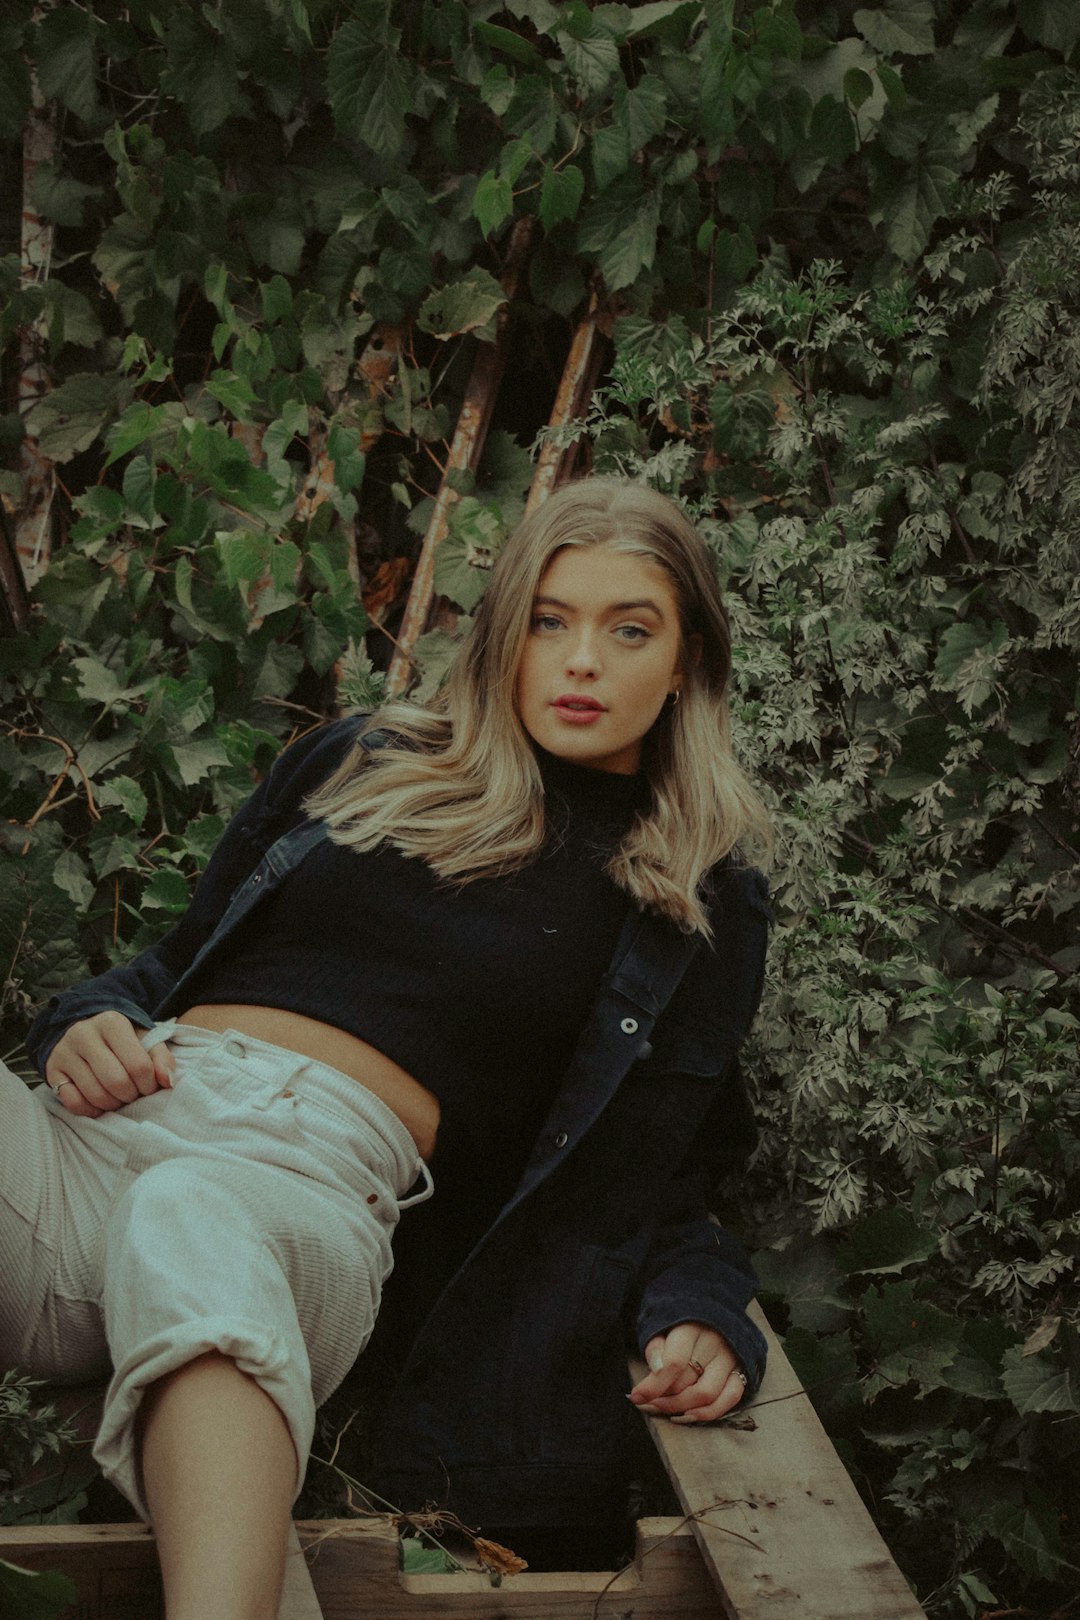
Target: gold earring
{"x":675,"y":696}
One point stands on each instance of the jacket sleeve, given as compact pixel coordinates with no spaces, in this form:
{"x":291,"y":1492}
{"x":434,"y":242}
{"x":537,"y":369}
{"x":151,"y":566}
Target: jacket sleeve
{"x":695,"y":1271}
{"x":140,"y":986}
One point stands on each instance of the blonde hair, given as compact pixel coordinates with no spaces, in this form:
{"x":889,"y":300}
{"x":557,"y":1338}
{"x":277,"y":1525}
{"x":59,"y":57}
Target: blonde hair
{"x":457,"y":782}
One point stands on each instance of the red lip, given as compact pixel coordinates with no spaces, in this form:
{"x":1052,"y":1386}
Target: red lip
{"x":578,"y":704}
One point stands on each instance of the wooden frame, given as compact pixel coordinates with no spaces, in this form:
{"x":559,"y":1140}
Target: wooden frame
{"x":774,"y":1529}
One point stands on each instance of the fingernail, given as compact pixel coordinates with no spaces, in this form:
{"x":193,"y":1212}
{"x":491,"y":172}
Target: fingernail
{"x":655,"y":1359}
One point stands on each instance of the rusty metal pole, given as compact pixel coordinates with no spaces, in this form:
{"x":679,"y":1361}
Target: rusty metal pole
{"x":466,"y":448}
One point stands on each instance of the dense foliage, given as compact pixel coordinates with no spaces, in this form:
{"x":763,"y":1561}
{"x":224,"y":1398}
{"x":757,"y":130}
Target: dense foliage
{"x":839,"y":254}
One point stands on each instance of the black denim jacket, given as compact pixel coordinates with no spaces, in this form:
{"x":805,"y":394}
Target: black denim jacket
{"x":509,"y":1401}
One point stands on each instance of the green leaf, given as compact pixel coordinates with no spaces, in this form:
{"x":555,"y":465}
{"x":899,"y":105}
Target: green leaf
{"x":202,"y":72}
{"x":886,"y":1241}
{"x":66,"y":64}
{"x":343,"y":447}
{"x":139,"y":481}
{"x":464,"y":559}
{"x":386,"y":100}
{"x":33,"y":1594}
{"x":276,"y":298}
{"x":71,"y":876}
{"x":1035,"y":1384}
{"x":464,"y":306}
{"x":167,"y":890}
{"x":1053,"y":23}
{"x":911,"y":202}
{"x":138,"y":423}
{"x":533,"y":113}
{"x":903,"y":27}
{"x":619,"y":229}
{"x":641,"y":112}
{"x":195,"y":760}
{"x":588,"y":48}
{"x":70,"y":418}
{"x":497,"y":89}
{"x":493,"y":201}
{"x":235,"y":393}
{"x":517,"y":48}
{"x":609,"y":154}
{"x":126,"y":793}
{"x":561,"y":191}
{"x":57,"y":195}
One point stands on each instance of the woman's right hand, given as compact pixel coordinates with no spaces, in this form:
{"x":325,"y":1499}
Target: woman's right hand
{"x":100,"y":1064}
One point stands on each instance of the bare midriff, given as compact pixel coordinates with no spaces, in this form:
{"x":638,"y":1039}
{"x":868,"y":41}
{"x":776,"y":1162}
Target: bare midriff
{"x":415,"y":1106}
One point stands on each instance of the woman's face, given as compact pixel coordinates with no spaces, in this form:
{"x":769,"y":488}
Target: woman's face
{"x":604,"y":652}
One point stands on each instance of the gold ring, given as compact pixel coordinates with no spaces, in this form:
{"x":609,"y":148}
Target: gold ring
{"x":698,"y":1368}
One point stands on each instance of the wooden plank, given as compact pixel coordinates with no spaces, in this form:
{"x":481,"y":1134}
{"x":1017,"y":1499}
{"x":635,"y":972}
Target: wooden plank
{"x":354,"y":1566}
{"x":352,"y":1570}
{"x":575,"y":388}
{"x":778,"y":1520}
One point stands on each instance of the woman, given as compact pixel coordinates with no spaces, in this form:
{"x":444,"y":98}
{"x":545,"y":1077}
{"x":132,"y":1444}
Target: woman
{"x":509,"y":937}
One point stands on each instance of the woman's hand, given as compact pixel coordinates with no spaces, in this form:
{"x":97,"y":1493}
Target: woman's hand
{"x":694,"y":1376}
{"x":100,"y":1064}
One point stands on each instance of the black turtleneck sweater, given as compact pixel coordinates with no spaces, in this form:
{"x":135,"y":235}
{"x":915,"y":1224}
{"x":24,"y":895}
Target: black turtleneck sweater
{"x":478,"y":991}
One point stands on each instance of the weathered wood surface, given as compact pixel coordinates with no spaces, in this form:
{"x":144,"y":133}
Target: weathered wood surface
{"x":779,"y":1522}
{"x":351,"y":1573}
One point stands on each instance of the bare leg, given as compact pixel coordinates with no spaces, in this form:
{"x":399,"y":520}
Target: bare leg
{"x":219,"y":1469}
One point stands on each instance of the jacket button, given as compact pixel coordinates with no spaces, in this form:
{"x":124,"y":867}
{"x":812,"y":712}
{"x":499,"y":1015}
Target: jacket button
{"x":562,"y":1139}
{"x":629,"y":1026}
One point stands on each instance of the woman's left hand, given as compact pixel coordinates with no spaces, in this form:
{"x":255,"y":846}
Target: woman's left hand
{"x":694,"y":1375}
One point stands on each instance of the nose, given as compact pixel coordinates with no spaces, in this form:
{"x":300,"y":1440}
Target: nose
{"x":583,"y":654}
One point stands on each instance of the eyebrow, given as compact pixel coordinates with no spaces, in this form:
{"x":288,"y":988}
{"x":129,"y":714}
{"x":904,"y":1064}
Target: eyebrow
{"x":616,"y":607}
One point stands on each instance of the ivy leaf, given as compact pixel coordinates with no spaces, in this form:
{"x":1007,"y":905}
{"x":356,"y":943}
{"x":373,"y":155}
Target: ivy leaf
{"x":619,"y":228}
{"x":343,"y":448}
{"x":139,"y":481}
{"x":195,"y":760}
{"x":235,"y":393}
{"x":1034,"y":1384}
{"x":588,"y":48}
{"x":58,"y":196}
{"x":904,"y":27}
{"x":609,"y":154}
{"x":167,"y":890}
{"x":662,"y":19}
{"x":516,"y":46}
{"x":493,"y":201}
{"x":202,"y":73}
{"x":886,"y":1241}
{"x":1053,"y":23}
{"x":71,"y":876}
{"x":463,"y":306}
{"x":465,"y":558}
{"x":642,"y":112}
{"x":124,"y":792}
{"x":532,"y":114}
{"x":70,"y":418}
{"x":66,"y":65}
{"x":386,"y":99}
{"x":913,"y":198}
{"x":561,"y":191}
{"x":138,"y":423}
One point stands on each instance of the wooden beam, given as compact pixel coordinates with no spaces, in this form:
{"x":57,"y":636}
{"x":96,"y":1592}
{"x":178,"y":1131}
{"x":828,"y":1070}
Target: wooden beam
{"x":466,"y":448}
{"x":779,"y":1522}
{"x":352,"y":1569}
{"x":554,"y":463}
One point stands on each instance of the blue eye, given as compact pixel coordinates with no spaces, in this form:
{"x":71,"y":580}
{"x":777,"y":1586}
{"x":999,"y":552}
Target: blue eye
{"x":545,"y":621}
{"x":634,"y":633}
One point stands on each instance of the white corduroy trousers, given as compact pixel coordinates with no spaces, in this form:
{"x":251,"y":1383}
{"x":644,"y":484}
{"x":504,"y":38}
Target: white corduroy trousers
{"x":247,"y":1210}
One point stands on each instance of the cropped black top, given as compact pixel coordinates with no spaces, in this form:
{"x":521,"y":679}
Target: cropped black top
{"x":479,"y":991}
